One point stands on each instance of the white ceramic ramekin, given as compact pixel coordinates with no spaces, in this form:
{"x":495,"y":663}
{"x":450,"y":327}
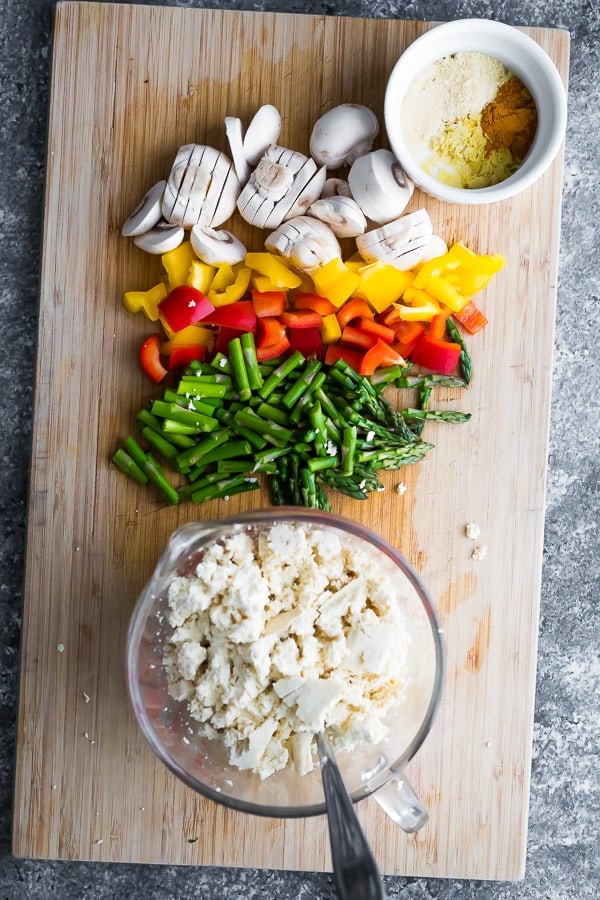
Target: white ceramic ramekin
{"x":522,"y":56}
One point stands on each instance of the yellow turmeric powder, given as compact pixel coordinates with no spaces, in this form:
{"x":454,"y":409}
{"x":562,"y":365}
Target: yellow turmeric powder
{"x":509,"y":121}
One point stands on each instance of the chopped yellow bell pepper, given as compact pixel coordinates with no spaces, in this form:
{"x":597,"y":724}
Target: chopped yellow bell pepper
{"x":262,"y":284}
{"x":443,"y":291}
{"x":355,"y":263}
{"x":331,"y":330}
{"x":416,"y":297}
{"x":459,"y":259}
{"x":145,"y":301}
{"x":335,"y":281}
{"x":233,"y":291}
{"x":200,"y":275}
{"x":275,"y":269}
{"x":453,"y":277}
{"x":431,"y":269}
{"x":467,"y":282}
{"x":381,"y":284}
{"x":192,"y":336}
{"x":424,"y":313}
{"x":423,"y":307}
{"x":485,"y":264}
{"x":176,"y":263}
{"x":224,"y":276}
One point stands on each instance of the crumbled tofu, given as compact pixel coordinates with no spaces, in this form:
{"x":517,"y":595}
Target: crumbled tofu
{"x":301,"y":751}
{"x":472,"y":530}
{"x":190,"y":657}
{"x":280,"y":634}
{"x":401,"y":488}
{"x":479,"y":553}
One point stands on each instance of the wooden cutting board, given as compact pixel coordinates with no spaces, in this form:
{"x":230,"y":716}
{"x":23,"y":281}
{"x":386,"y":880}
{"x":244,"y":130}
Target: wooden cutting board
{"x":130,"y":84}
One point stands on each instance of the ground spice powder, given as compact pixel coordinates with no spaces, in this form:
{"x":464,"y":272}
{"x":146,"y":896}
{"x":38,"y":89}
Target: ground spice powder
{"x":469,"y":120}
{"x":509,"y":122}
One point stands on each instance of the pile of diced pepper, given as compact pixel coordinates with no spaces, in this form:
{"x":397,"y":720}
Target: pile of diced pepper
{"x":282,"y":376}
{"x":371,"y":315}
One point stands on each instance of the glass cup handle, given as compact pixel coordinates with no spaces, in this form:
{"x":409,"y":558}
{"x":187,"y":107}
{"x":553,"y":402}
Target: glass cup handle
{"x":399,"y":801}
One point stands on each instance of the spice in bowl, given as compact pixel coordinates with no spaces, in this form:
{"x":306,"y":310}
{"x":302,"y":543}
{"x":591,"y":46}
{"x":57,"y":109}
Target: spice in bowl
{"x":469,"y":120}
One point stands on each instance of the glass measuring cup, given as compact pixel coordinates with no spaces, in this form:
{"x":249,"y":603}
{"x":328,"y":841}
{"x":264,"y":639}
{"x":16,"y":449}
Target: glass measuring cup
{"x":203,"y":764}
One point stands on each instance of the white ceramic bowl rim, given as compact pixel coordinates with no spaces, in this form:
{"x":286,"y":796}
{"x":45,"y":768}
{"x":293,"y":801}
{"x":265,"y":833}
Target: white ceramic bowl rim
{"x":519,"y":53}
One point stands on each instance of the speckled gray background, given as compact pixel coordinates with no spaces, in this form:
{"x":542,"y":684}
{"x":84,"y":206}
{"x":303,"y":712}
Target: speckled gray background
{"x":565,"y":809}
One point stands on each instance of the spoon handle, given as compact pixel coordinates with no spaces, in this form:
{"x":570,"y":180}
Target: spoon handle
{"x":356,"y":873}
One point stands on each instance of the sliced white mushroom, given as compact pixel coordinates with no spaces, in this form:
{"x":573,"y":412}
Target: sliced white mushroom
{"x":235,"y":138}
{"x":216,"y":246}
{"x":178,"y":170}
{"x":188,"y":188}
{"x":147,"y":213}
{"x":336,"y":187}
{"x":343,"y":215}
{"x":343,"y":134}
{"x":222,"y":194}
{"x":380,"y":186}
{"x":292,"y":160}
{"x":306,"y":242}
{"x":262,"y":131}
{"x":307,"y":189}
{"x":202,"y":187}
{"x":437,"y":246}
{"x":256,"y":208}
{"x":280,"y":186}
{"x":201,"y":178}
{"x":402,"y":243}
{"x":160,"y":239}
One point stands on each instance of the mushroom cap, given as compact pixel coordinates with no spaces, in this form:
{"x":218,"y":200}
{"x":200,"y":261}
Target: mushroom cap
{"x":342,"y":134}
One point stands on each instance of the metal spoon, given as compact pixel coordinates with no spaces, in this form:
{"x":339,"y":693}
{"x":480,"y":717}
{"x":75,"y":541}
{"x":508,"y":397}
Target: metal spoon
{"x":356,"y":873}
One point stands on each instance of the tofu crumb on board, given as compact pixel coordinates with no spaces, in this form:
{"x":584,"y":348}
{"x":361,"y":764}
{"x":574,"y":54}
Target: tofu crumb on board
{"x":472,"y":530}
{"x":281,"y":633}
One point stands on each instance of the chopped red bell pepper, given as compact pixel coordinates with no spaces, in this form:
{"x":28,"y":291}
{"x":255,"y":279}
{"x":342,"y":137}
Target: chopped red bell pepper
{"x":301,"y":318}
{"x":438,"y":356}
{"x":272,"y":350}
{"x":149,"y":357}
{"x":408,"y":335}
{"x":180,"y":357}
{"x":356,"y":337}
{"x":269,"y":303}
{"x":307,"y":340}
{"x":239,"y":316}
{"x":348,"y":354}
{"x":471,"y":318}
{"x":183,"y":306}
{"x":269,"y":331}
{"x":390,"y":317}
{"x":354,"y":309}
{"x":271,"y":338}
{"x":224,"y":336}
{"x":437,"y":326}
{"x":376,"y":329}
{"x":381,"y":354}
{"x":318,"y":304}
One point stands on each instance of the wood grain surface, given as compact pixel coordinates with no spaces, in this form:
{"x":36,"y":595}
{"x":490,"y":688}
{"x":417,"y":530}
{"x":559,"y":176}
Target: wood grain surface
{"x":130,"y":84}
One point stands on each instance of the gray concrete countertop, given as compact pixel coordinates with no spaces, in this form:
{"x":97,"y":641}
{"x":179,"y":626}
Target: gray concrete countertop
{"x":565,"y":807}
